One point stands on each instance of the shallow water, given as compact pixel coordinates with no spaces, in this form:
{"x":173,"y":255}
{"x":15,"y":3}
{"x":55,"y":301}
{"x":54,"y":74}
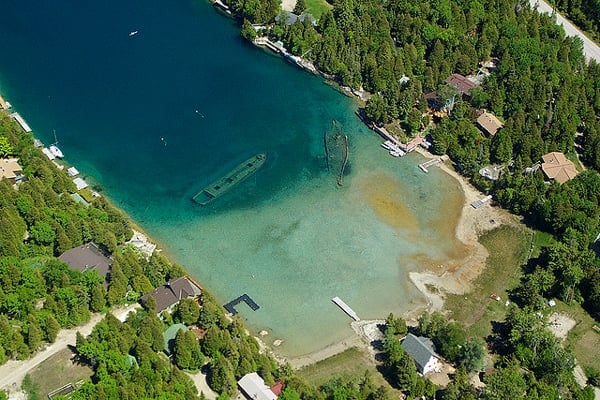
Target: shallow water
{"x":155,"y":117}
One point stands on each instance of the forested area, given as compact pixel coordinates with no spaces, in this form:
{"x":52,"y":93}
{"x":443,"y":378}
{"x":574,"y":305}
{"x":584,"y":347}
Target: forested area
{"x":583,"y":13}
{"x":39,"y":294}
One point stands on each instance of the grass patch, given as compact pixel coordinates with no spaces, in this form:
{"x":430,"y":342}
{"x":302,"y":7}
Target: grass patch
{"x":540,"y":240}
{"x":353,"y":361}
{"x":317,"y":7}
{"x":57,"y":371}
{"x":508,"y":247}
{"x":584,"y":340}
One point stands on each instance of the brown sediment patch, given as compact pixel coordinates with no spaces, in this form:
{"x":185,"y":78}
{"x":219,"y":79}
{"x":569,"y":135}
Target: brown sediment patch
{"x":383,"y":194}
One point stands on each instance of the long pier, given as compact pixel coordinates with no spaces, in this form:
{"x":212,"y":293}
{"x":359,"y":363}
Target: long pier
{"x":346,"y":308}
{"x":21,"y":121}
{"x":230,"y":307}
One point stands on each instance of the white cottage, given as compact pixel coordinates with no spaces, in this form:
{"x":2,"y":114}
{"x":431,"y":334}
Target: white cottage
{"x":420,"y":349}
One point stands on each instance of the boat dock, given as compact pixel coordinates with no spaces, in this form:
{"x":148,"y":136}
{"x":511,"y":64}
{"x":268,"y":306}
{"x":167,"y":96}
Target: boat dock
{"x":431,"y":162}
{"x":230,"y":307}
{"x":21,"y":121}
{"x":481,"y":202}
{"x":346,"y":308}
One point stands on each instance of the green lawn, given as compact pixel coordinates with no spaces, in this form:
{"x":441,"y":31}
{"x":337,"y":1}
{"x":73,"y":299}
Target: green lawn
{"x":317,"y":7}
{"x":353,"y":361}
{"x":57,"y":371}
{"x":508,"y":247}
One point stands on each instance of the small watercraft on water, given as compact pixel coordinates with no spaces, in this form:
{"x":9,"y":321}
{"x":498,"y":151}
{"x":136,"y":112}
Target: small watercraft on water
{"x":133,"y":33}
{"x":54,"y":148}
{"x":56,"y":151}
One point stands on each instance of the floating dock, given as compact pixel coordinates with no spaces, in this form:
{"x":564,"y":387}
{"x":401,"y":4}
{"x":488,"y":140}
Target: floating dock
{"x":346,"y":308}
{"x":21,"y":121}
{"x":230,"y":307}
{"x":479,"y":203}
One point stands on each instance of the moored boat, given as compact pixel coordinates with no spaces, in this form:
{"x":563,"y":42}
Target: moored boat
{"x":235,"y":176}
{"x":56,"y":151}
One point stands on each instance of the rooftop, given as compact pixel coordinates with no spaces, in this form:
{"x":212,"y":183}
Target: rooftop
{"x":489,"y":123}
{"x":461,"y":83}
{"x":10,"y":169}
{"x":171,"y":292}
{"x":87,"y":257}
{"x":253,"y":387}
{"x":420,"y":349}
{"x":557,"y":167}
{"x":169,"y":337}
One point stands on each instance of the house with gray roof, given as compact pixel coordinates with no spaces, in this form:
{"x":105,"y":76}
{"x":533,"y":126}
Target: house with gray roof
{"x":289,"y":18}
{"x":420,"y":349}
{"x":88,"y":257}
{"x":169,"y":294}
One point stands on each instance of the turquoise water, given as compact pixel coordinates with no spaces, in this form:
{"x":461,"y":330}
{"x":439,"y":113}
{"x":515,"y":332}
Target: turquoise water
{"x":156,"y":116}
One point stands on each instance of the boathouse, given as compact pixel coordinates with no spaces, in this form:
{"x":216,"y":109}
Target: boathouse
{"x":169,"y":294}
{"x":420,"y":349}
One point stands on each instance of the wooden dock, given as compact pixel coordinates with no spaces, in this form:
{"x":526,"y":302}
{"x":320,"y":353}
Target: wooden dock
{"x":21,"y":121}
{"x":432,"y":162}
{"x":230,"y":307}
{"x":346,"y":308}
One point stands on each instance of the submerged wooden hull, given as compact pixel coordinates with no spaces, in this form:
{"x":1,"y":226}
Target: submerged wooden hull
{"x":235,"y":176}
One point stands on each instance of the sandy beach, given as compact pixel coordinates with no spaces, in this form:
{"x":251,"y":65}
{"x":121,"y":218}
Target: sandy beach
{"x":454,"y":277}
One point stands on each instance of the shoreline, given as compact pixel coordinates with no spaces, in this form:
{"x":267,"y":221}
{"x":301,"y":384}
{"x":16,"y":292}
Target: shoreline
{"x":454,"y":277}
{"x":458,"y":275}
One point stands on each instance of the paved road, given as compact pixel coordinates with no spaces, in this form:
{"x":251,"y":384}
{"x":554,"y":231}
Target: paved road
{"x":590,"y":49}
{"x":13,"y":372}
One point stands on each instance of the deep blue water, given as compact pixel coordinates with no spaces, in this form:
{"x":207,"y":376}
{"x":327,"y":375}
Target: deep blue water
{"x":156,"y":116}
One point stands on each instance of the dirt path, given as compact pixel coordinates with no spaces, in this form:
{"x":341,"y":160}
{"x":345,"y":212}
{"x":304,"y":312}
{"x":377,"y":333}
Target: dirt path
{"x":13,"y":372}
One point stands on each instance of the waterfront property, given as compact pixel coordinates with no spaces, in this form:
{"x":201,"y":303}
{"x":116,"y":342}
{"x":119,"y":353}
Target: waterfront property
{"x":420,"y":349}
{"x":253,"y":387}
{"x":88,"y":257}
{"x":169,"y":294}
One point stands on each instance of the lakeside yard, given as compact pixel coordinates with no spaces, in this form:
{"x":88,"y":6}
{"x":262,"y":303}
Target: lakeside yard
{"x":508,"y":247}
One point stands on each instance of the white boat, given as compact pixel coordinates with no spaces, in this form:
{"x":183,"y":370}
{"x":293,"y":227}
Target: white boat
{"x":56,"y":151}
{"x":54,"y":148}
{"x":133,"y":33}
